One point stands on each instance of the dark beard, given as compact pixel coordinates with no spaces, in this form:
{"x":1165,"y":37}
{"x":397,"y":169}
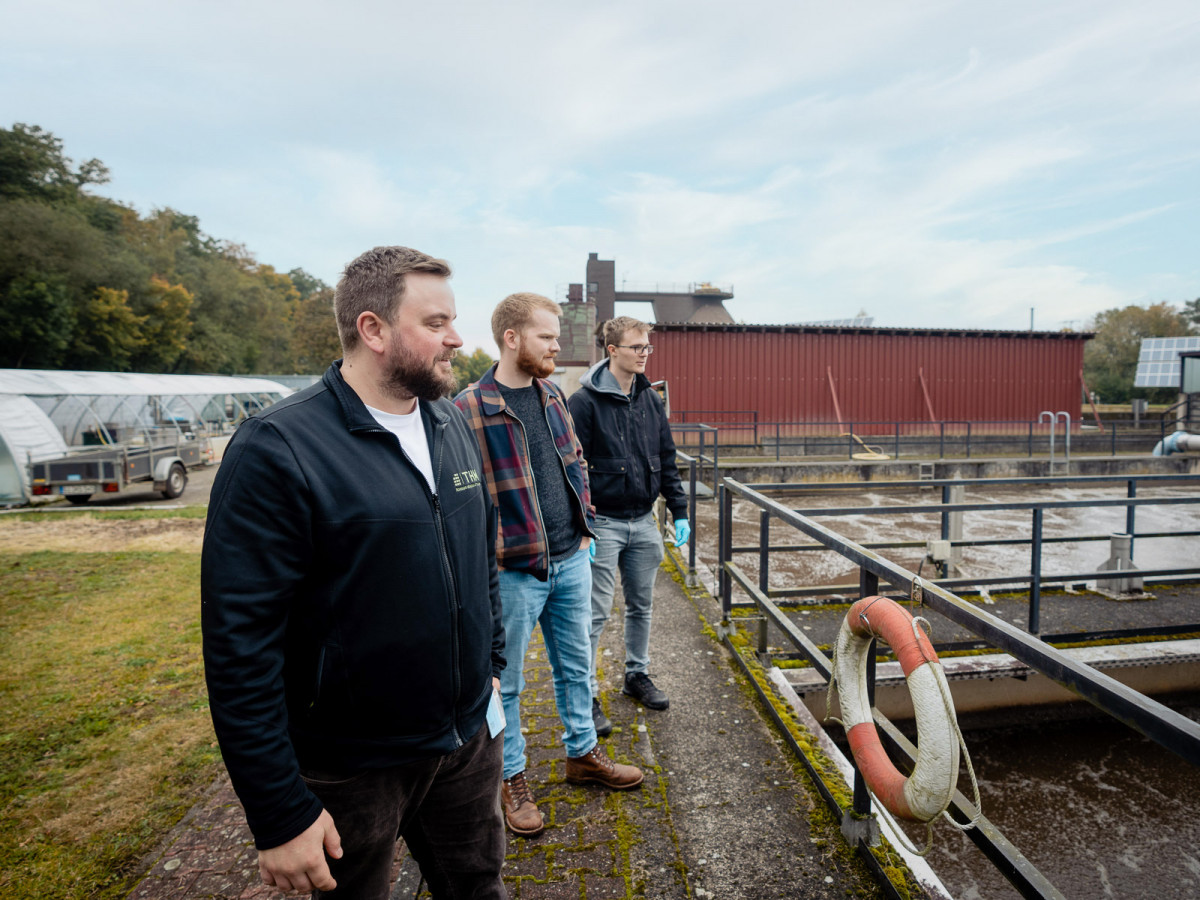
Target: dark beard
{"x":412,"y":377}
{"x":536,"y":366}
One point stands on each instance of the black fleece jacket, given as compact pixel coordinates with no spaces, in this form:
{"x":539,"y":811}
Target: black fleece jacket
{"x":627,"y":443}
{"x":351,"y":619}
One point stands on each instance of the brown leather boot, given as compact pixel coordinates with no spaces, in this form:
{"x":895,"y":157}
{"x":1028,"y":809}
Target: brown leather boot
{"x":595,"y":766}
{"x":520,"y":810}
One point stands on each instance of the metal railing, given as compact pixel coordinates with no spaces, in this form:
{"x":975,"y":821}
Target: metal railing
{"x":914,"y":440}
{"x":693,"y":470}
{"x":1036,"y":539}
{"x":674,"y":287}
{"x":1171,"y":730}
{"x":705,"y":432}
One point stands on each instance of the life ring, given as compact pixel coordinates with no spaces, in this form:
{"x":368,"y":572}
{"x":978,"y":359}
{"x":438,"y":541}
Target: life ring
{"x":923,"y":795}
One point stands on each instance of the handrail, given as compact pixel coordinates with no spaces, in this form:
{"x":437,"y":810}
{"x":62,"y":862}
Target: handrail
{"x":1015,"y":481}
{"x":703,"y":430}
{"x":1171,"y":730}
{"x":693,"y":473}
{"x":1177,"y":733}
{"x":923,"y":439}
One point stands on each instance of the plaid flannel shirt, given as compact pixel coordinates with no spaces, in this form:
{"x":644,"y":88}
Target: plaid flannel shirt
{"x":521,"y":540}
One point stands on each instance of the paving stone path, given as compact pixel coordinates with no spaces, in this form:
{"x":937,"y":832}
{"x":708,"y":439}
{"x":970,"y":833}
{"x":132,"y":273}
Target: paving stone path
{"x":720,"y":814}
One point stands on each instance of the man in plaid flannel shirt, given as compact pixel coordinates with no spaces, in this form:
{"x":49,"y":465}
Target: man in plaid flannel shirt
{"x":537,"y":477}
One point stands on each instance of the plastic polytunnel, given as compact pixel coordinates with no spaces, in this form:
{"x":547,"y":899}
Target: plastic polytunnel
{"x":44,"y":413}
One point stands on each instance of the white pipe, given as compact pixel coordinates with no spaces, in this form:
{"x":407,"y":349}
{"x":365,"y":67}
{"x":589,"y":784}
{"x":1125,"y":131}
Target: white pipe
{"x":1042,"y":416}
{"x":1178,"y":442}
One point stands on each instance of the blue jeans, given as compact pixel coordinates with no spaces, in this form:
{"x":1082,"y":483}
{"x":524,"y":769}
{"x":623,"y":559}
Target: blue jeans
{"x":634,"y":546}
{"x":560,"y":606}
{"x":447,"y":808}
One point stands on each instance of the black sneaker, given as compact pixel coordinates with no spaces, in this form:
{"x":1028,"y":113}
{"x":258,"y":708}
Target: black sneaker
{"x":600,"y":720}
{"x":639,"y":686}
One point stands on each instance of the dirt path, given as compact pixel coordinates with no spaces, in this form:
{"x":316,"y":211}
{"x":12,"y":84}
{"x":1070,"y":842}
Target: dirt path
{"x":85,"y":533}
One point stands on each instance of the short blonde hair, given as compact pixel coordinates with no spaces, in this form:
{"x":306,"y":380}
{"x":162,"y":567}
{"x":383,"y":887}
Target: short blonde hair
{"x":516,"y":312}
{"x":614,"y":329}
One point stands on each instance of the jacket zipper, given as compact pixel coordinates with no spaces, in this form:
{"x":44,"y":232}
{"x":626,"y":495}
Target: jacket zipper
{"x":455,"y":638}
{"x":455,"y":624}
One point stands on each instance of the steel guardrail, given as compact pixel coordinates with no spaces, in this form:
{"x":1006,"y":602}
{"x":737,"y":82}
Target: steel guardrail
{"x":1164,"y":726}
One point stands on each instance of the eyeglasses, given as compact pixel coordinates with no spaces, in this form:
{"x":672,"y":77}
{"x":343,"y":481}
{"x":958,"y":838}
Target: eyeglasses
{"x":639,"y":349}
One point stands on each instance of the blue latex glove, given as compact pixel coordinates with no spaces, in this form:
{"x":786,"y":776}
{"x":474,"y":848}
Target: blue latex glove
{"x":682,"y":532}
{"x":592,"y":550}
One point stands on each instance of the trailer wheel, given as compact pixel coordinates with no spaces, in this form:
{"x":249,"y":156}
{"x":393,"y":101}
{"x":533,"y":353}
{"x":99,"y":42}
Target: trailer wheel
{"x":176,"y":482}
{"x":78,"y":499}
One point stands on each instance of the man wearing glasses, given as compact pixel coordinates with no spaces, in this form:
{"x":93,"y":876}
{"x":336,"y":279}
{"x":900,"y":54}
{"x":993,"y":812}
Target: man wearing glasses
{"x":626,"y":440}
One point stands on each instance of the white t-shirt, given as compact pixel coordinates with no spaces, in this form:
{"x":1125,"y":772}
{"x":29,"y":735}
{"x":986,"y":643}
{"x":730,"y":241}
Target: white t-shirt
{"x":411,"y":432}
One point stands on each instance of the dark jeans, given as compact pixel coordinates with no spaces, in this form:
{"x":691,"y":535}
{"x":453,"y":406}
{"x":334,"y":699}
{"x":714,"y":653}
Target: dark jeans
{"x":446,"y":808}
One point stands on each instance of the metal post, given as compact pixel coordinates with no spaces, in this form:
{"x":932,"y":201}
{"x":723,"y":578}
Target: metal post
{"x":776,"y":442}
{"x":968,"y":440}
{"x":942,"y":439}
{"x":897,"y":455}
{"x":1035,"y":578}
{"x":1031,"y":439}
{"x":764,"y":549}
{"x":724,"y":545}
{"x":1067,"y":438}
{"x":943,"y":567}
{"x":858,"y":823}
{"x":1052,"y":418}
{"x":692,"y":475}
{"x":1131,"y":514}
{"x":850,"y":442}
{"x":716,"y":457}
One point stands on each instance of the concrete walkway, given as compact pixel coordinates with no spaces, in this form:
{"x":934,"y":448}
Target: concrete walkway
{"x":722,"y":812}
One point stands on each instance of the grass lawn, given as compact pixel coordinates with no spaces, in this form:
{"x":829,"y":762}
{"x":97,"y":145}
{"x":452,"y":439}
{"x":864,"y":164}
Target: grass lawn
{"x":105,"y":739}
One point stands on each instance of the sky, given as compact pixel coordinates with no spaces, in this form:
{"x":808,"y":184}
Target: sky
{"x":932,"y":164}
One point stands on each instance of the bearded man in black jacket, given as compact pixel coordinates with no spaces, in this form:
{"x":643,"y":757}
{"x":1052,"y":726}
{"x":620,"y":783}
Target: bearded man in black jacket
{"x":351,"y":608}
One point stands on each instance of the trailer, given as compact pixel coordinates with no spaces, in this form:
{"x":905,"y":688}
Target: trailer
{"x":157,"y":459}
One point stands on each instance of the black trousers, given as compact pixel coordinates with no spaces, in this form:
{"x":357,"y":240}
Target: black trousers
{"x":446,"y":808}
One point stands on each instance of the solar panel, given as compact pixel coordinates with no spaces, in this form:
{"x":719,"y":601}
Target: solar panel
{"x":1158,"y":362}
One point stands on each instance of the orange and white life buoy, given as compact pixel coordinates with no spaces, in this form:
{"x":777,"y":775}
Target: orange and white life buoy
{"x":927,"y":792}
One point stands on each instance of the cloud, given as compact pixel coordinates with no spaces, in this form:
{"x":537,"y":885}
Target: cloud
{"x":939,"y":163}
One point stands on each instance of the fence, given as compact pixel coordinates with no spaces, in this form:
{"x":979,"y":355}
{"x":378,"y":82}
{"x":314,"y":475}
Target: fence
{"x":1036,"y":540}
{"x":914,"y":440}
{"x":1171,"y":730}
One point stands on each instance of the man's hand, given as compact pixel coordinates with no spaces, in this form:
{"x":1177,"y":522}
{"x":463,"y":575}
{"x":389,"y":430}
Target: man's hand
{"x":591,"y":548}
{"x":299,"y":865}
{"x":682,"y":532}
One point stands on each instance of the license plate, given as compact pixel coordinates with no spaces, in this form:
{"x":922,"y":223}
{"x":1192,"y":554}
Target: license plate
{"x":78,"y":489}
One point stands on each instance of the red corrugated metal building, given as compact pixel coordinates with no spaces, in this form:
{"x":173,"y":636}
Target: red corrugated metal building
{"x":808,"y":373}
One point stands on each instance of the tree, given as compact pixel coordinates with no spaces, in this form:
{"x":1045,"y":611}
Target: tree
{"x":167,"y":326}
{"x":32,"y":165}
{"x":108,"y":333}
{"x":315,"y":341}
{"x":1110,"y":359}
{"x":37,"y":322}
{"x":86,"y":281}
{"x":470,"y":367}
{"x":1191,"y":312}
{"x":306,"y":285}
{"x":271,"y":299}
